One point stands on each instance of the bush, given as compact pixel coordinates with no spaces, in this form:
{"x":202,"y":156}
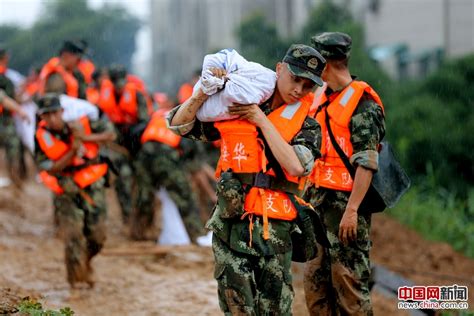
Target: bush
{"x":34,"y":308}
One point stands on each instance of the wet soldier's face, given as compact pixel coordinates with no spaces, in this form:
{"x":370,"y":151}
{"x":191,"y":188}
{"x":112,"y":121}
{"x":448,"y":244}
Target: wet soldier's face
{"x":53,"y":119}
{"x":291,"y":87}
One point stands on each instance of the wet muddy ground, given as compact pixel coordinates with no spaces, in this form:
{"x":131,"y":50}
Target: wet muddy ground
{"x":180,"y":282}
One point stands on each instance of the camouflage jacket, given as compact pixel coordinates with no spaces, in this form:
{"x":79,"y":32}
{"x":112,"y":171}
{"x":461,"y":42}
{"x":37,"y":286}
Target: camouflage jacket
{"x":367,"y":127}
{"x":235,"y":232}
{"x":128,"y":135}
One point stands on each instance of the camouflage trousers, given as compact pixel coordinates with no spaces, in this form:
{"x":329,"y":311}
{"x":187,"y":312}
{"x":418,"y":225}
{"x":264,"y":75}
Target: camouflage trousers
{"x":336,"y":282}
{"x":14,"y":149}
{"x":124,"y":182}
{"x":158,"y":165}
{"x":82,"y":219}
{"x":252,"y":285}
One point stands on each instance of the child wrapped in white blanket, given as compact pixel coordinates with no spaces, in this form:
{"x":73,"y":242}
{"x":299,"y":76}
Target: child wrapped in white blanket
{"x":245,"y":83}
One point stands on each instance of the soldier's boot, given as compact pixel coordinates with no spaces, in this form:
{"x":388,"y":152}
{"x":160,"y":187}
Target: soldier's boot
{"x":90,"y":278}
{"x":76,"y":272}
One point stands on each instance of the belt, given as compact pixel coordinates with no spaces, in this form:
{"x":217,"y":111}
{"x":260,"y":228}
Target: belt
{"x":265,"y":181}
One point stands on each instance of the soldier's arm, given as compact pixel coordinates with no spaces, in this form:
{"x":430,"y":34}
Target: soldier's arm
{"x":102,"y":132}
{"x":307,"y":144}
{"x":186,"y":113}
{"x":44,"y":163}
{"x":186,"y":124}
{"x":367,"y":127}
{"x":11,"y":105}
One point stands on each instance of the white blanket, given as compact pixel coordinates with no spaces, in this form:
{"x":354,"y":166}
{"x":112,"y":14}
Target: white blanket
{"x":246,"y":83}
{"x":173,"y":232}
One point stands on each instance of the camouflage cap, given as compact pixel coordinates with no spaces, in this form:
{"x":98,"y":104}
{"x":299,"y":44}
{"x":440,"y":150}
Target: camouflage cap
{"x":304,"y":61}
{"x":333,"y":45}
{"x":118,"y":74}
{"x":73,"y":46}
{"x":49,"y":103}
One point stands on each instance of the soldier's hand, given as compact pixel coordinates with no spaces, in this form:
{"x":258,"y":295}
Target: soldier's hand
{"x":348,"y":226}
{"x":76,"y":144}
{"x":218,"y":72}
{"x":250,"y":112}
{"x":77,"y":130}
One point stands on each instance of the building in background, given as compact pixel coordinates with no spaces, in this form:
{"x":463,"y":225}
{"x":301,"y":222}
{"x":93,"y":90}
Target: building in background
{"x":412,"y":36}
{"x":409,"y":38}
{"x":183,"y":31}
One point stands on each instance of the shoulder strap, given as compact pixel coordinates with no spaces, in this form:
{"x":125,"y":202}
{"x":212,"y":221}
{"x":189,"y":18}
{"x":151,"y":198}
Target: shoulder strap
{"x":338,"y":149}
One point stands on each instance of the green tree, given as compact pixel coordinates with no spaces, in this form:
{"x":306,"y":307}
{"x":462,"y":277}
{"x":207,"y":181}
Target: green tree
{"x":110,"y":32}
{"x":432,"y":124}
{"x":260,"y":42}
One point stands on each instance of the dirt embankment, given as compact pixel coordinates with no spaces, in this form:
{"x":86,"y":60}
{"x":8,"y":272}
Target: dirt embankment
{"x":180,"y":283}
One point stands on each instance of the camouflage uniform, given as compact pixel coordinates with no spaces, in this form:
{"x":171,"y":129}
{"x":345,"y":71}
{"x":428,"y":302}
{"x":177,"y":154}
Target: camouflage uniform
{"x":336,"y":282}
{"x":256,"y":279}
{"x":82,"y":224}
{"x":159,"y":165}
{"x":8,"y":136}
{"x":128,"y":137}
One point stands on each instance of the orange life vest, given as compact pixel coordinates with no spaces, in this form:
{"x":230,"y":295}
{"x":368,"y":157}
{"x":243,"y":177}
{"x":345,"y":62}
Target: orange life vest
{"x":141,"y":87}
{"x":184,"y":92}
{"x":87,"y":68}
{"x":54,"y":66}
{"x":55,"y":149}
{"x":92,"y":95}
{"x":243,"y":152}
{"x":32,"y":88}
{"x":126,"y":111}
{"x":158,"y":131}
{"x":330,"y":171}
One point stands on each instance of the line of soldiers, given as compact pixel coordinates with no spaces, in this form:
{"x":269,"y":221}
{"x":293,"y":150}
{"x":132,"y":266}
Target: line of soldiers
{"x":261,"y":220}
{"x":97,"y":126}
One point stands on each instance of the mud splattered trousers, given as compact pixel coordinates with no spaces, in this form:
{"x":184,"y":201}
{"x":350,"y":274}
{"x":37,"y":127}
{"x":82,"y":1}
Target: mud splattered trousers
{"x":124,"y":182}
{"x":14,"y":149}
{"x":159,"y":165}
{"x":336,"y":282}
{"x":252,"y":285}
{"x":82,"y":219}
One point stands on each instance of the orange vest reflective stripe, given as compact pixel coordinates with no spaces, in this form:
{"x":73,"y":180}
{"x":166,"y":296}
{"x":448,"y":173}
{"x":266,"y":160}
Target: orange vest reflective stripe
{"x":55,"y":149}
{"x":329,"y":171}
{"x":87,"y":68}
{"x":243,"y":152}
{"x":319,"y":99}
{"x":184,"y":92}
{"x":158,"y":131}
{"x":54,"y":66}
{"x":126,"y":111}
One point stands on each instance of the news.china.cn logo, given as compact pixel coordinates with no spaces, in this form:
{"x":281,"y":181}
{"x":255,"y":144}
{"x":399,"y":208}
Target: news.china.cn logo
{"x":433,"y":297}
